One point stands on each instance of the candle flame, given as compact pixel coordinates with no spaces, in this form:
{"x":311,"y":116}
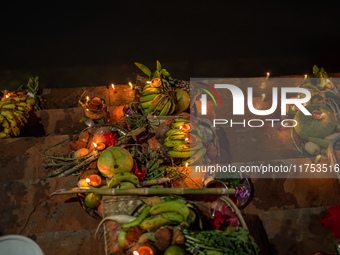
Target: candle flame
{"x":186,"y":139}
{"x":186,"y":165}
{"x":148,"y":82}
{"x":135,"y":253}
{"x":95,"y":145}
{"x":180,"y":127}
{"x":6,"y":96}
{"x":87,"y":98}
{"x":263,"y":95}
{"x":88,"y":180}
{"x":112,"y":85}
{"x":306,"y":76}
{"x":130,"y":84}
{"x":268,"y":75}
{"x":323,"y":114}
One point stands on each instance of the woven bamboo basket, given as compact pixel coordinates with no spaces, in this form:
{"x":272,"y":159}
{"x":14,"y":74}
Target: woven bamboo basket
{"x":129,"y":205}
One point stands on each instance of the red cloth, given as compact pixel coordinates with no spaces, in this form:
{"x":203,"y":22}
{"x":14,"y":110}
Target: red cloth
{"x":331,"y":220}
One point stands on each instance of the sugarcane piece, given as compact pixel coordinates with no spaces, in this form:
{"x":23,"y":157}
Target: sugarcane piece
{"x":145,"y":191}
{"x":80,"y":165}
{"x":61,"y":170}
{"x":127,"y":137}
{"x":155,"y":182}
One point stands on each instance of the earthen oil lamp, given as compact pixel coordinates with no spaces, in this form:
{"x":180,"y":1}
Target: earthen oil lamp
{"x":318,"y":115}
{"x":95,"y":104}
{"x":94,"y":180}
{"x":190,"y":138}
{"x":143,"y":250}
{"x":100,"y":146}
{"x":186,"y":127}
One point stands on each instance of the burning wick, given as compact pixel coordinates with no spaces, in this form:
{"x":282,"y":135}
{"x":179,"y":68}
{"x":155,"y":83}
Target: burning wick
{"x":186,"y":166}
{"x":267,"y":76}
{"x":95,"y":147}
{"x":130,"y":84}
{"x":317,"y":158}
{"x":113,"y":88}
{"x":180,"y":127}
{"x":6,"y":96}
{"x":87,"y":99}
{"x":263,"y":97}
{"x":186,"y":139}
{"x":306,"y":76}
{"x":148,"y":82}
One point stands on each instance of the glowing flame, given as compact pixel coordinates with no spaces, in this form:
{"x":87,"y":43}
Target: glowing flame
{"x":87,"y":98}
{"x":148,"y":82}
{"x":112,"y":85}
{"x":180,"y":127}
{"x":6,"y":96}
{"x":135,"y":253}
{"x":130,"y":84}
{"x":322,"y":114}
{"x":95,"y":145}
{"x":186,"y":139}
{"x":306,"y":76}
{"x":186,"y":165}
{"x":88,"y":180}
{"x":268,"y":75}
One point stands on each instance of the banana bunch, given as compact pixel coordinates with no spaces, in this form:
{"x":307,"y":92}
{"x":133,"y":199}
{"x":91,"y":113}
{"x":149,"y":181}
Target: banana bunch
{"x":153,"y":101}
{"x":165,"y":213}
{"x":124,"y":180}
{"x":13,"y":115}
{"x":185,"y":141}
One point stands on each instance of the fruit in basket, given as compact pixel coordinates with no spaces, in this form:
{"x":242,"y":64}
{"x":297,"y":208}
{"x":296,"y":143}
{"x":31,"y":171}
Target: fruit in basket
{"x":160,"y":220}
{"x":122,"y":242}
{"x":123,"y":177}
{"x":126,"y":185}
{"x":307,"y":126}
{"x":171,"y":206}
{"x":92,"y":200}
{"x":114,"y":160}
{"x":183,"y":100}
{"x":137,"y":221}
{"x":174,"y":250}
{"x":312,"y":148}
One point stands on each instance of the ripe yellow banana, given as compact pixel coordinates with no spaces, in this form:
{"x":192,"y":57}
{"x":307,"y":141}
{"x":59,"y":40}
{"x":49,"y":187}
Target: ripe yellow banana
{"x":123,"y":177}
{"x":188,"y":147}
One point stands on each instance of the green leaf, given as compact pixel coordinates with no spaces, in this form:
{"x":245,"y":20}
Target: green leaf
{"x":143,"y":68}
{"x":315,"y":70}
{"x":159,"y":67}
{"x":84,"y":118}
{"x":165,"y":72}
{"x":156,"y":74}
{"x":100,"y":121}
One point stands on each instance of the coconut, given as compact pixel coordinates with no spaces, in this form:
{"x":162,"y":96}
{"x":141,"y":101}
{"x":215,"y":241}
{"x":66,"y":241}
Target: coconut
{"x":183,"y":100}
{"x":307,"y":126}
{"x":114,"y":160}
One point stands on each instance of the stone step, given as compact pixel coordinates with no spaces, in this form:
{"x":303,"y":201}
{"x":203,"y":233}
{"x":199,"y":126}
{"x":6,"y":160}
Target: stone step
{"x":69,"y":242}
{"x":297,"y":231}
{"x":60,"y":98}
{"x":61,"y":121}
{"x":27,"y":207}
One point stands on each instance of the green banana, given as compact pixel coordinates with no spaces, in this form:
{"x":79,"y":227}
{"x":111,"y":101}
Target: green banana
{"x":178,"y":154}
{"x":123,"y":177}
{"x":147,"y":98}
{"x":174,"y":143}
{"x":166,"y":109}
{"x":197,"y":156}
{"x":161,"y":105}
{"x":160,"y":220}
{"x":176,"y":131}
{"x":155,"y":103}
{"x":126,"y":185}
{"x":6,"y":101}
{"x":148,"y":86}
{"x":177,"y":137}
{"x":188,"y":147}
{"x":136,"y":222}
{"x":173,"y":107}
{"x":171,"y":206}
{"x":192,"y":216}
{"x":177,"y":125}
{"x":181,"y":120}
{"x":146,"y":105}
{"x":150,"y":91}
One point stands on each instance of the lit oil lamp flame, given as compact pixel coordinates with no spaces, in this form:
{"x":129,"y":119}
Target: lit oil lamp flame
{"x":130,"y":84}
{"x":186,"y":139}
{"x":6,"y":96}
{"x":263,"y":97}
{"x":95,"y":145}
{"x":148,"y":82}
{"x":268,"y":74}
{"x":186,"y":165}
{"x":113,"y":88}
{"x":317,"y":158}
{"x":180,"y":127}
{"x":87,"y":99}
{"x":135,"y":253}
{"x":306,"y":76}
{"x":88,"y":180}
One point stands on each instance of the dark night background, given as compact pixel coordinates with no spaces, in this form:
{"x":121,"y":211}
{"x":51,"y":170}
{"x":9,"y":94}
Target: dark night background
{"x":88,"y":43}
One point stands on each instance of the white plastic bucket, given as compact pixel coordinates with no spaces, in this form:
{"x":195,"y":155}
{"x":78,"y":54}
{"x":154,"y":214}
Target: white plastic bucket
{"x":16,"y":244}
